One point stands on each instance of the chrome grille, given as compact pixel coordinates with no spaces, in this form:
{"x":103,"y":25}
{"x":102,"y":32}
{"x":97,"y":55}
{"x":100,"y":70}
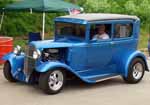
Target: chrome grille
{"x":29,"y":62}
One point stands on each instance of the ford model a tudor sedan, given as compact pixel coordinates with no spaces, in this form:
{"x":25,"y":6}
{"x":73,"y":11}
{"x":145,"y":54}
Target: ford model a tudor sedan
{"x":91,"y":47}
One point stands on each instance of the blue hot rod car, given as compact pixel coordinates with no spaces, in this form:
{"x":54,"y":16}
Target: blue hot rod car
{"x":78,"y":51}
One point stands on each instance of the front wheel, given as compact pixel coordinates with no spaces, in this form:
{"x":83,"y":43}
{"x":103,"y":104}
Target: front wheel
{"x":136,"y":71}
{"x":52,"y":82}
{"x":7,"y":72}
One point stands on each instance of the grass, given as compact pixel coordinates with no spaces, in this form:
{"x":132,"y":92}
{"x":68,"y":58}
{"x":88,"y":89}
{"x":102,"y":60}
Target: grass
{"x":21,"y":42}
{"x":143,"y":41}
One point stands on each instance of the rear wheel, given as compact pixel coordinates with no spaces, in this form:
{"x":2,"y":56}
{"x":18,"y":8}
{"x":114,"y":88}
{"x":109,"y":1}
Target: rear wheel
{"x":7,"y":72}
{"x":136,"y":71}
{"x":52,"y":82}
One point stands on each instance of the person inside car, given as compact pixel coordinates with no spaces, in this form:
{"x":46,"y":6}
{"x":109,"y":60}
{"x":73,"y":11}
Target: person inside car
{"x":101,"y":33}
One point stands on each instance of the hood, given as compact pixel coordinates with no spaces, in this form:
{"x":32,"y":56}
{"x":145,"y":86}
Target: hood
{"x":50,"y":44}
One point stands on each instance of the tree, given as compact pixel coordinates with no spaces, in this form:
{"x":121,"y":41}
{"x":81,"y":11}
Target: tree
{"x":22,"y":23}
{"x":74,"y":1}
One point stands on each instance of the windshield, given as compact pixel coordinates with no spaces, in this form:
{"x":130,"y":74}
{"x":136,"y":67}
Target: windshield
{"x":70,"y":31}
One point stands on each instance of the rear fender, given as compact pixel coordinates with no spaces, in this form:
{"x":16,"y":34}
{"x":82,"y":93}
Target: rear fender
{"x":129,"y":59}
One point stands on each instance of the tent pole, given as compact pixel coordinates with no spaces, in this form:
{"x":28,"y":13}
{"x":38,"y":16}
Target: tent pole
{"x":2,"y":20}
{"x":43,"y":28}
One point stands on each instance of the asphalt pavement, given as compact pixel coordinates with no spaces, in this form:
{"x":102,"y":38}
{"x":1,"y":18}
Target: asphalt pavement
{"x":110,"y":92}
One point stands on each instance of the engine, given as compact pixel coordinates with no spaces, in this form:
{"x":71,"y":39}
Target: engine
{"x":50,"y":54}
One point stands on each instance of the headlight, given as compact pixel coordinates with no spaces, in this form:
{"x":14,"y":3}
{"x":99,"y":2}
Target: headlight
{"x":36,"y":54}
{"x":17,"y":50}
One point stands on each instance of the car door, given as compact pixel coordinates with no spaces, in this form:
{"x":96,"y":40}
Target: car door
{"x":123,"y":41}
{"x":99,"y":54}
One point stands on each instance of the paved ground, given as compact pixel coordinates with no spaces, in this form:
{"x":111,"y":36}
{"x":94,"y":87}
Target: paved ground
{"x":111,"y":92}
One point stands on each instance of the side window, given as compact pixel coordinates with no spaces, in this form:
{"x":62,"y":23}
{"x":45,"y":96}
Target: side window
{"x":123,"y":30}
{"x":71,"y":29}
{"x":100,"y":31}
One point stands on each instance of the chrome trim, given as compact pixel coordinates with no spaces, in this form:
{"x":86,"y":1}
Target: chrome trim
{"x":55,"y":81}
{"x":29,"y":62}
{"x":137,"y":71}
{"x":100,"y":80}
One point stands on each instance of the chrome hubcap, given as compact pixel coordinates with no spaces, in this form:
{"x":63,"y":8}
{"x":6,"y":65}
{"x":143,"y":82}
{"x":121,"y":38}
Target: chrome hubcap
{"x":137,"y":71}
{"x":55,"y":81}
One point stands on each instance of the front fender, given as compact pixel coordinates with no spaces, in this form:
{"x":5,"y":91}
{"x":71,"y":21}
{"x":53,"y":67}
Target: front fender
{"x":8,"y":56}
{"x":17,"y":64}
{"x":131,"y":57}
{"x":44,"y":67}
{"x":14,"y":60}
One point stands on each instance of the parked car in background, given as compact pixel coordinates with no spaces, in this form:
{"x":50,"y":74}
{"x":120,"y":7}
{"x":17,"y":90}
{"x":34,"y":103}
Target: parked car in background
{"x":74,"y":52}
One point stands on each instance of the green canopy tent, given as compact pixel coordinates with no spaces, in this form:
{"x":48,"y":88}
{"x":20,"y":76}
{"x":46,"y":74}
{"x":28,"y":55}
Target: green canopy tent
{"x":41,"y":6}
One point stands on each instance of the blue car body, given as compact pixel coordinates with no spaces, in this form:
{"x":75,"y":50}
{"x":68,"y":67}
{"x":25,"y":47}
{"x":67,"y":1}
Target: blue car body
{"x":91,"y":61}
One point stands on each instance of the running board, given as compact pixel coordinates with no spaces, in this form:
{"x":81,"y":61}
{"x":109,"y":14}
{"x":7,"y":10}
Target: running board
{"x":99,"y":79}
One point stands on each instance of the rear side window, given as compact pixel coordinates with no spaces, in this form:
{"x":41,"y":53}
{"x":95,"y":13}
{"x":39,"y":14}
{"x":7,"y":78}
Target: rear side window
{"x":123,"y":30}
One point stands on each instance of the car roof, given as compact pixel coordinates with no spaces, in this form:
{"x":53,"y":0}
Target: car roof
{"x":100,"y":16}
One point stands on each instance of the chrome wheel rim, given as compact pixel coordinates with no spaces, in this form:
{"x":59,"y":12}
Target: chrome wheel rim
{"x":137,"y":71}
{"x":55,"y":81}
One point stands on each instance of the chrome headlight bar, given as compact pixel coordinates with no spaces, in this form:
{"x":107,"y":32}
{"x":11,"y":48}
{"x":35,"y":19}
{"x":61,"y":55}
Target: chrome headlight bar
{"x":36,"y":54}
{"x":17,"y":50}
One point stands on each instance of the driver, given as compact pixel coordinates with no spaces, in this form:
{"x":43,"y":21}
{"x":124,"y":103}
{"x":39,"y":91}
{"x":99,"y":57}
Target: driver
{"x":101,"y":33}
